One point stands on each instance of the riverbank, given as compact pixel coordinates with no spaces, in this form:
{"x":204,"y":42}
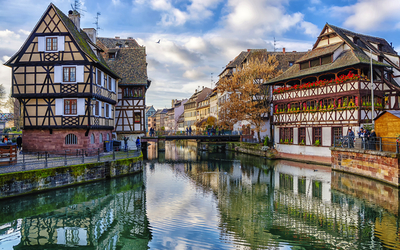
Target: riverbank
{"x":32,"y":181}
{"x":257,"y":150}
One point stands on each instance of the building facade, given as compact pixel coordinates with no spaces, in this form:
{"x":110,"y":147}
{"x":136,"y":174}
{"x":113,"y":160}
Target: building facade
{"x":150,"y":110}
{"x":66,"y":90}
{"x":128,"y":59}
{"x":190,"y":107}
{"x":328,"y":91}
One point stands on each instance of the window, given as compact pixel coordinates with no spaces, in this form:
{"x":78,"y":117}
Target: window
{"x":133,"y":92}
{"x":70,"y":107}
{"x":137,"y":117}
{"x":111,"y":55}
{"x":355,"y":39}
{"x":380,"y":47}
{"x":71,"y":139}
{"x":105,"y":82}
{"x":336,"y":133}
{"x":98,"y":77}
{"x":317,"y":135}
{"x":291,"y":63}
{"x":286,"y":135}
{"x":97,"y":108}
{"x":92,"y":139}
{"x":107,"y":110}
{"x":101,"y":138}
{"x":51,"y":43}
{"x":109,"y":83}
{"x":326,"y":60}
{"x":108,"y":137}
{"x":69,"y":74}
{"x":304,"y":65}
{"x":302,"y":136}
{"x":380,"y":58}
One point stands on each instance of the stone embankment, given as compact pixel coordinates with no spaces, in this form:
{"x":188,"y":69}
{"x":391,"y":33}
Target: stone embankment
{"x":31,"y":181}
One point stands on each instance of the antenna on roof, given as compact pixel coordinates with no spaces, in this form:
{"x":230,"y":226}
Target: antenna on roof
{"x":211,"y":80}
{"x":275,"y":44}
{"x":76,"y":7}
{"x":97,"y":22}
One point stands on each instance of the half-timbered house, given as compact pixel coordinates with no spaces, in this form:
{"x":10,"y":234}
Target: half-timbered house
{"x":66,"y":90}
{"x":128,"y":59}
{"x":328,"y":91}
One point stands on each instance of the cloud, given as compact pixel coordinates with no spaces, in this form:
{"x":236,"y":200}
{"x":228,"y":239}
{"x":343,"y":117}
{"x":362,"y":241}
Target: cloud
{"x":262,"y":17}
{"x":5,"y":74}
{"x":310,"y":29}
{"x":194,"y":74}
{"x":369,"y":15}
{"x":172,"y":15}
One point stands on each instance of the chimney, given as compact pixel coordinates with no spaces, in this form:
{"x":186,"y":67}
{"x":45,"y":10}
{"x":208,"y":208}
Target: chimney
{"x":284,"y":51}
{"x":75,"y":18}
{"x":117,"y":37}
{"x":91,"y":32}
{"x":248,"y":50}
{"x":129,"y":37}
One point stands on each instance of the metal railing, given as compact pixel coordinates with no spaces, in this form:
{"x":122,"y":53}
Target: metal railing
{"x":41,"y":160}
{"x":382,"y":144}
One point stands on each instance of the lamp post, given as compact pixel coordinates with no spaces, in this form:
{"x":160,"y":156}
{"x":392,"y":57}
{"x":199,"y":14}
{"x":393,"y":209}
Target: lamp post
{"x":372,"y":90}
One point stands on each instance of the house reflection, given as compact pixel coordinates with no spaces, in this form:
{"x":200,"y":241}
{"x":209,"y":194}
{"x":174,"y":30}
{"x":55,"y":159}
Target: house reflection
{"x":106,"y":215}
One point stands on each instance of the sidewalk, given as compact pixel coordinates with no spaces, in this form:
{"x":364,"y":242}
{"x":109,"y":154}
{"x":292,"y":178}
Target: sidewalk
{"x":33,"y":161}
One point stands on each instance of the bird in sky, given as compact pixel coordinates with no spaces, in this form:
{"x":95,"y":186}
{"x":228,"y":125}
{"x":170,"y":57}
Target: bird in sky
{"x":158,"y":41}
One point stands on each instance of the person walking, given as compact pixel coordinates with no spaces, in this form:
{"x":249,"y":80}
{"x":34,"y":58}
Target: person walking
{"x":187,"y":131}
{"x":190,"y":130}
{"x":19,"y":142}
{"x":126,"y":143}
{"x":351,"y":138}
{"x":138,"y":143}
{"x":372,"y":140}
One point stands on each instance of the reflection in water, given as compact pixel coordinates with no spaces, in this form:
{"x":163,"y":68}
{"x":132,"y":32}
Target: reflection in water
{"x":102,"y":215}
{"x":190,"y":199}
{"x":243,"y":201}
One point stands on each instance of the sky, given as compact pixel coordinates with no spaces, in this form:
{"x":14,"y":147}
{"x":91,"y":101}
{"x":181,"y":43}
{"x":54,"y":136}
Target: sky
{"x":198,"y":38}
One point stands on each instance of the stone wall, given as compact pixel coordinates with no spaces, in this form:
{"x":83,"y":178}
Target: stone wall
{"x":34,"y":140}
{"x":374,"y":192}
{"x":382,"y":166}
{"x":252,"y":149}
{"x":25,"y":182}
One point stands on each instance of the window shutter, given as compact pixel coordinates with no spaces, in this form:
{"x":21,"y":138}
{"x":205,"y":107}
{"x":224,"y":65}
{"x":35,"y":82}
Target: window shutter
{"x":109,"y":111}
{"x":61,"y":43}
{"x":41,"y":43}
{"x":102,"y":79}
{"x":80,"y":73}
{"x":59,"y":106}
{"x":112,"y":84}
{"x":58,"y":74}
{"x":81,"y":106}
{"x":100,"y":108}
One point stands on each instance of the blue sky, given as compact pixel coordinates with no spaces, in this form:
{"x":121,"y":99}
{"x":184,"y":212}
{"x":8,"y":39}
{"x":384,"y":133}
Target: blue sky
{"x":199,"y":37}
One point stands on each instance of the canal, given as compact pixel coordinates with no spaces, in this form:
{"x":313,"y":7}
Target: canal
{"x":190,"y":199}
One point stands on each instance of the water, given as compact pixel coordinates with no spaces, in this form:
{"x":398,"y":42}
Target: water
{"x":187,"y":199}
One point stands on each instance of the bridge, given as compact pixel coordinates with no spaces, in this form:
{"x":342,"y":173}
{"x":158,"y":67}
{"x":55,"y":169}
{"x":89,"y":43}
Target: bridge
{"x":200,"y":138}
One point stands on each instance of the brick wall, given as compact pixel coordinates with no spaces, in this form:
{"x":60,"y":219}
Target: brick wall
{"x":34,"y":140}
{"x":373,"y":164}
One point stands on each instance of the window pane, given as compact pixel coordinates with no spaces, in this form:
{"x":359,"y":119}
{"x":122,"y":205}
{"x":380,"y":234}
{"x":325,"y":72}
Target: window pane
{"x":73,"y":107}
{"x":67,"y":107}
{"x":72,"y":75}
{"x":54,"y":44}
{"x":66,"y":75}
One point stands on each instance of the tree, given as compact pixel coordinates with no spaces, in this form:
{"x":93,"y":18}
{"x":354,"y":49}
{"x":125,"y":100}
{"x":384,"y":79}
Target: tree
{"x":249,"y":99}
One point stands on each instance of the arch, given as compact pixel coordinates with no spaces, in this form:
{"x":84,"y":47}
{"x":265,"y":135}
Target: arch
{"x":309,"y":79}
{"x":92,"y":139}
{"x":101,"y":138}
{"x":71,"y":139}
{"x":108,"y":136}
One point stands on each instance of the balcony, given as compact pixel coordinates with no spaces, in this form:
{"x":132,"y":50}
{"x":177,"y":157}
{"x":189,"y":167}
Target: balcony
{"x":325,"y":88}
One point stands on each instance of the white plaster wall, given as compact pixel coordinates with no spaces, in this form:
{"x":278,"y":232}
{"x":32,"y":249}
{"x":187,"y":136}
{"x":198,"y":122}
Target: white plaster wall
{"x":295,"y":136}
{"x":309,"y":136}
{"x":304,"y":150}
{"x":326,"y":136}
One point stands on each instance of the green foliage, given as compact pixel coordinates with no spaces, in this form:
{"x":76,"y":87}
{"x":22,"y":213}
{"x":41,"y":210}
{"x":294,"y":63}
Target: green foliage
{"x":266,"y":140}
{"x":317,"y":143}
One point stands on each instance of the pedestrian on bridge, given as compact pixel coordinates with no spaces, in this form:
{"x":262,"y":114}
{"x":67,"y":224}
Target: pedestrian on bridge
{"x":190,"y":130}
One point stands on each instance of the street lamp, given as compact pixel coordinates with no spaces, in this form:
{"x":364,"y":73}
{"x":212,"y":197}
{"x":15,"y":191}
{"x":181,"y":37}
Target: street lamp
{"x":372,"y":89}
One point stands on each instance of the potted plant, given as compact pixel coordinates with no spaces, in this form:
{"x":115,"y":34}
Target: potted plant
{"x":317,"y":143}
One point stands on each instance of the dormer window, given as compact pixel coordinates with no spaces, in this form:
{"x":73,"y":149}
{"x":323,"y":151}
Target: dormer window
{"x":118,"y":46}
{"x":291,"y":64}
{"x":111,"y":55}
{"x":356,"y":39}
{"x":380,"y":46}
{"x":380,"y":58}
